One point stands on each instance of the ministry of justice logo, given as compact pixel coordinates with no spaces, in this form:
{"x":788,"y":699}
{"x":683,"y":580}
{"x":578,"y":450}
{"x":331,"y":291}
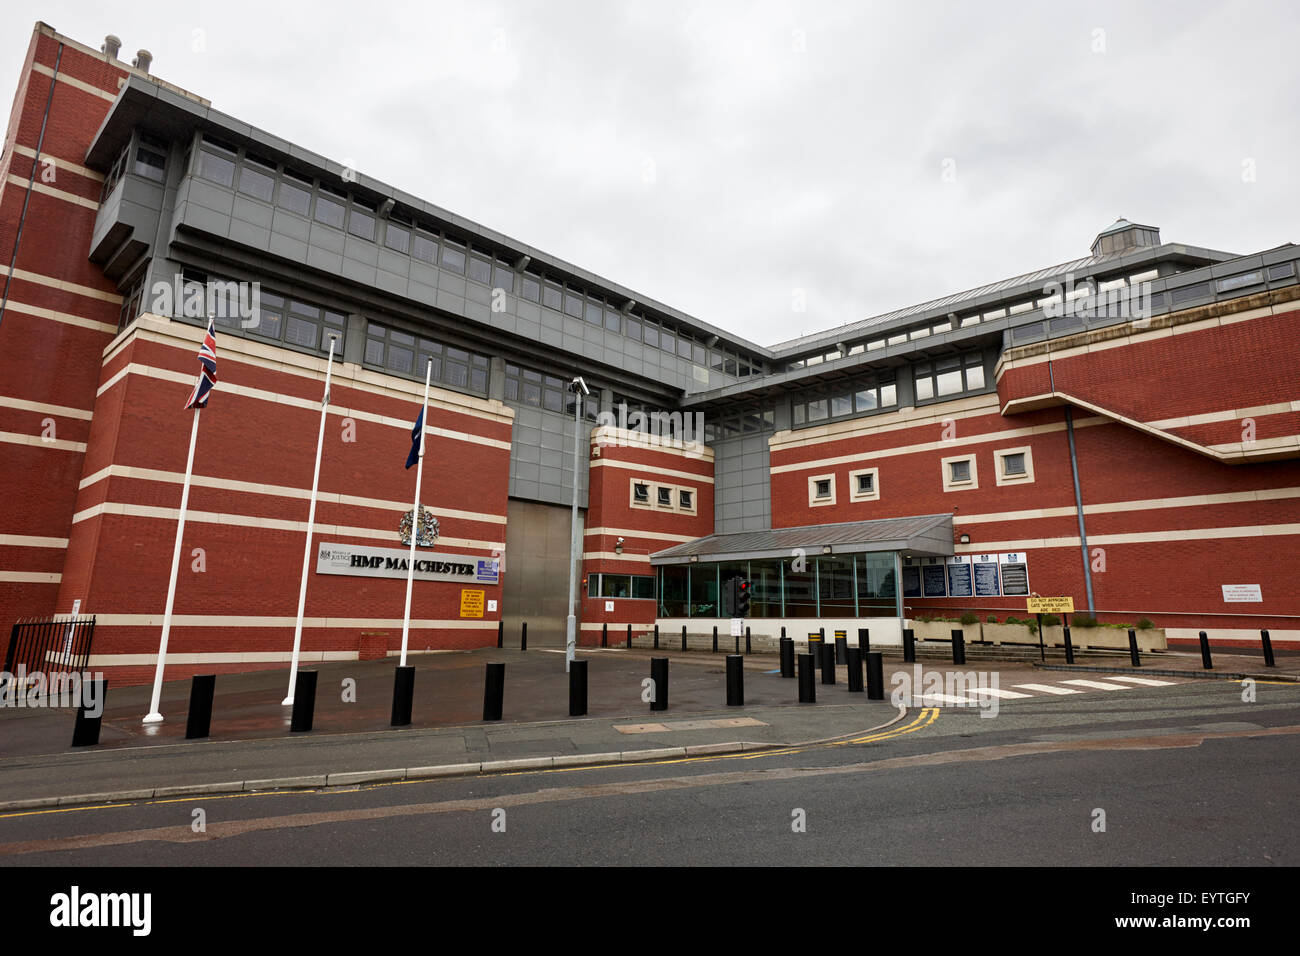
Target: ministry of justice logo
{"x":428,"y":529}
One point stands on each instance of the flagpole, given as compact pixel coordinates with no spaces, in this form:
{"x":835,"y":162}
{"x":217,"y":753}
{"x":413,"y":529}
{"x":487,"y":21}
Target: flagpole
{"x":154,"y":716}
{"x":415,"y":512}
{"x":311,"y":524}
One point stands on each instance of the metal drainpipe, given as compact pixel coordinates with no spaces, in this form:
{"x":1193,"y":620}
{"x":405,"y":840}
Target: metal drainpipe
{"x":31,"y":180}
{"x":1078,"y":496}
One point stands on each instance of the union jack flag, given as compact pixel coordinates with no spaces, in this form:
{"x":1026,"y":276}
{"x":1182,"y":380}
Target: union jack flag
{"x":208,"y":373}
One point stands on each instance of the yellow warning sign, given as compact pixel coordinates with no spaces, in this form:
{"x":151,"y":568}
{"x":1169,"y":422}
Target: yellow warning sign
{"x":1050,"y":605}
{"x":471,"y":603}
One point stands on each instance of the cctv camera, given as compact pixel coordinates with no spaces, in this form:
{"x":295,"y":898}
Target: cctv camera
{"x":620,"y":541}
{"x":578,"y":385}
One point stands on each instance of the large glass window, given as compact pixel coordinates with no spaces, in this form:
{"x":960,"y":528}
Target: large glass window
{"x":329,"y":208}
{"x":216,"y":165}
{"x":673,"y":590}
{"x":294,"y":193}
{"x":835,"y":586}
{"x":949,"y":375}
{"x":257,"y":178}
{"x":704,"y":591}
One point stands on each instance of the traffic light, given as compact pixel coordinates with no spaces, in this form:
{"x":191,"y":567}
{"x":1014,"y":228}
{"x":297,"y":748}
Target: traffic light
{"x":742,"y":597}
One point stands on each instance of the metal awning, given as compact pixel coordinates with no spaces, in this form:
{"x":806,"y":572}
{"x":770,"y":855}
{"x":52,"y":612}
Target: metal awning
{"x":918,"y":535}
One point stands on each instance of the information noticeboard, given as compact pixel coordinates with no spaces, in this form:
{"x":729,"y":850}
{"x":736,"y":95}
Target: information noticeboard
{"x":933,"y":580}
{"x":988,"y":583}
{"x":911,"y":581}
{"x":1014,"y":571}
{"x":960,"y":583}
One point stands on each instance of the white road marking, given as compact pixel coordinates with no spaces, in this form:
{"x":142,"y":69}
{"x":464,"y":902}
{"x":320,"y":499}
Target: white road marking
{"x":1099,"y":685}
{"x":946,"y":699}
{"x":1147,"y":681}
{"x":1049,"y":689}
{"x":997,"y":692}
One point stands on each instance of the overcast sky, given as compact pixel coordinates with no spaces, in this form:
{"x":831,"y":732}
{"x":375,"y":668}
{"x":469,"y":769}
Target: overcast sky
{"x":729,"y":158}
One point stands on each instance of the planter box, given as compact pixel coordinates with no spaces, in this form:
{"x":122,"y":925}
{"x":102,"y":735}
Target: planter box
{"x":1013,"y":634}
{"x":1107,"y":638}
{"x":942,"y":630}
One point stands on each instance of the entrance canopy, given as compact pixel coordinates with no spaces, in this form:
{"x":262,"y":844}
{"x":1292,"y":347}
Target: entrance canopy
{"x":919,"y":535}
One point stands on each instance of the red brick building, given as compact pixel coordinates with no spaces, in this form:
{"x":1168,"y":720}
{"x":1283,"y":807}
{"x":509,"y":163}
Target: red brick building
{"x":1124,"y":428}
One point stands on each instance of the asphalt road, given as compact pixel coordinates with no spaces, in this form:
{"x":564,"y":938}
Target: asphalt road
{"x":1186,"y":774}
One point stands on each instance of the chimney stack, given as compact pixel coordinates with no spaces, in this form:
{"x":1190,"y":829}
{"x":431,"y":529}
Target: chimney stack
{"x":111,"y":45}
{"x":142,"y":60}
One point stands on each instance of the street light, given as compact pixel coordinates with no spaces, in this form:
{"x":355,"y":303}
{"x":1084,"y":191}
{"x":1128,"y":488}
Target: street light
{"x":579,"y":389}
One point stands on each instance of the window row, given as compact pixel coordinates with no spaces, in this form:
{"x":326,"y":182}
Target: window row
{"x":739,"y":421}
{"x":527,"y":386}
{"x":410,"y":355}
{"x":265,"y":180}
{"x":146,"y":157}
{"x":658,"y":496}
{"x":819,"y":405}
{"x":639,"y":586}
{"x":959,"y":473}
{"x":949,"y":375}
{"x":251,"y":309}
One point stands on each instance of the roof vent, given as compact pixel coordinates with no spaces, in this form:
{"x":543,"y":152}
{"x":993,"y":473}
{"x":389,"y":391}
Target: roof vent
{"x":111,"y":45}
{"x":142,"y":60}
{"x":1125,"y":236}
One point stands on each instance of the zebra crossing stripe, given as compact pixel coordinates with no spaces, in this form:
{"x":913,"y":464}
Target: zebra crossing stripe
{"x":946,"y":699}
{"x":997,"y":692}
{"x":1049,"y":689}
{"x":1146,"y":681}
{"x":1099,"y":685}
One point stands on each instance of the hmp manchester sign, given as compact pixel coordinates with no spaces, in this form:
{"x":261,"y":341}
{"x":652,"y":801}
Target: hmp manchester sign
{"x":366,"y":562}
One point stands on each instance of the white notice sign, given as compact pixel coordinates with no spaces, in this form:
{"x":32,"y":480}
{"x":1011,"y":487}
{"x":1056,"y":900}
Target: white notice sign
{"x":736,"y":626}
{"x":1237,"y":593}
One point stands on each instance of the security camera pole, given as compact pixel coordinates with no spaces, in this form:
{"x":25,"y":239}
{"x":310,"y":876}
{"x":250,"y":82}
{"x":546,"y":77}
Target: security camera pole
{"x":579,"y":388}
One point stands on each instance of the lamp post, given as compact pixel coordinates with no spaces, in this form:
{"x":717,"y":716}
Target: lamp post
{"x":579,"y":389}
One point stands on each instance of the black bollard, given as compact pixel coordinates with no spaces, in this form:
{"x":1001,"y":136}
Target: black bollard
{"x":787,"y":656}
{"x":659,"y":682}
{"x":577,"y":688}
{"x":85,"y":728}
{"x":875,"y":676}
{"x":304,"y":702}
{"x":1069,"y":647}
{"x":735,"y":680}
{"x":199,"y":722}
{"x":656,"y":637}
{"x":828,"y":664}
{"x":958,"y":646}
{"x":1205,"y":653}
{"x":749,"y":648}
{"x":783,"y":631}
{"x":403,"y":695}
{"x":683,"y":638}
{"x":737,"y":642}
{"x":1268,"y":649}
{"x":604,"y":634}
{"x":909,"y":646}
{"x":523,"y":636}
{"x":807,"y":684}
{"x":815,"y":649}
{"x":841,"y":647}
{"x":494,"y":690}
{"x":1133,"y":648}
{"x":864,"y":641}
{"x":629,"y":637}
{"x":501,"y":633}
{"x":715,"y":638}
{"x":855,"y":670}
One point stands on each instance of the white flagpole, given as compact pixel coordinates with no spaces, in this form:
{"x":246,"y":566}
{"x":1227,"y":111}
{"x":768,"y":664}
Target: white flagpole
{"x":311,"y":524}
{"x":415,"y":512}
{"x":154,"y":716}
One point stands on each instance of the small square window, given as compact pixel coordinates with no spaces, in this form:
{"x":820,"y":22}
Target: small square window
{"x":641,"y":492}
{"x":959,"y":471}
{"x":686,"y":500}
{"x":823,"y":488}
{"x":866,"y":484}
{"x":1013,"y":464}
{"x":665,"y":497}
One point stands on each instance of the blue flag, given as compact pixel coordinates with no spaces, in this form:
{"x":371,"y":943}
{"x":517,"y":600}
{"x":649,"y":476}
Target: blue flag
{"x":417,"y":432}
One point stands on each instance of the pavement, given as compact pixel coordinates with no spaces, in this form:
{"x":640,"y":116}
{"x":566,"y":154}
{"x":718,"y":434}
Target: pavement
{"x":251,"y":746}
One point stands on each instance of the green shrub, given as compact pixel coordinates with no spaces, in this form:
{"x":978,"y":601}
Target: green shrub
{"x":969,"y":618}
{"x":1051,"y":620}
{"x":1145,"y":624}
{"x":1085,"y":620}
{"x":992,"y":619}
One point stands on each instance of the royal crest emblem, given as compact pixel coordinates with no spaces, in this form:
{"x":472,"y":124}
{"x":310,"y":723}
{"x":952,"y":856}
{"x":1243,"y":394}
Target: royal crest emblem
{"x":428,"y":536}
